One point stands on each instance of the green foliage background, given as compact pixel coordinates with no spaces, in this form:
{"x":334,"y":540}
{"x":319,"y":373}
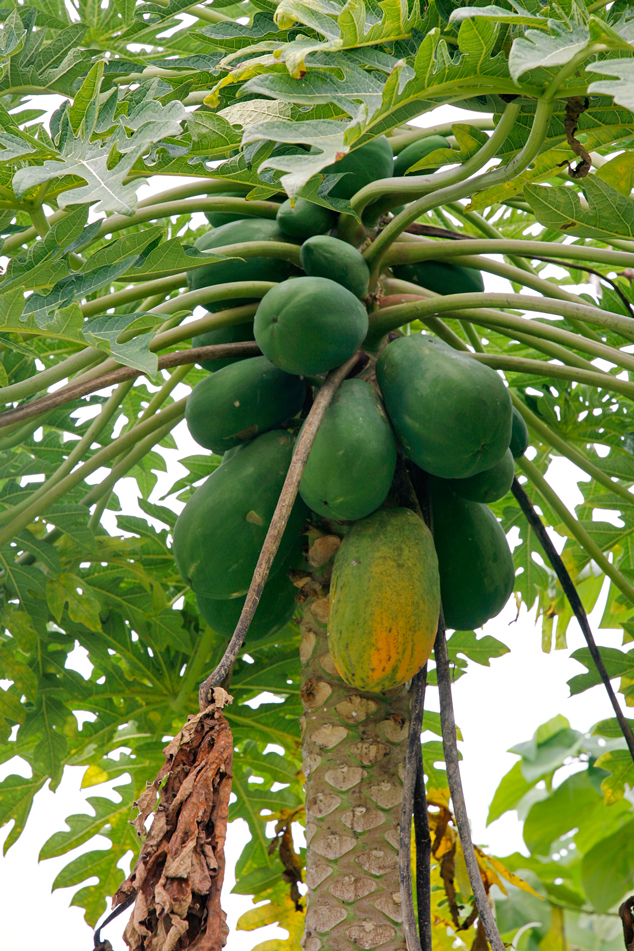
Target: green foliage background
{"x":141,"y":98}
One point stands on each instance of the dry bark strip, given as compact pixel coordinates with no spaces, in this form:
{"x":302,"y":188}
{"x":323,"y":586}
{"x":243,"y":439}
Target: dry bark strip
{"x":178,"y":876}
{"x":278,"y":523}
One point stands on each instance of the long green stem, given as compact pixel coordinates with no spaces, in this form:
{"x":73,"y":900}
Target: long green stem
{"x":391,"y":318}
{"x":184,"y":206}
{"x":407,"y":252}
{"x":163,"y":285}
{"x":574,"y":527}
{"x":552,"y":249}
{"x":79,"y":449}
{"x":135,"y":455}
{"x":40,"y":381}
{"x":40,"y":221}
{"x":414,"y":186}
{"x":554,"y":371}
{"x":560,"y":343}
{"x":487,"y":229}
{"x":171,"y":415}
{"x":202,"y":186}
{"x":551,"y":438}
{"x":463,"y":189}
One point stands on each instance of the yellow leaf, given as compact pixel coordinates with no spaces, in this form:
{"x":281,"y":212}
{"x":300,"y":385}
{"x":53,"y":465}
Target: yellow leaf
{"x":512,"y":877}
{"x":93,"y":776}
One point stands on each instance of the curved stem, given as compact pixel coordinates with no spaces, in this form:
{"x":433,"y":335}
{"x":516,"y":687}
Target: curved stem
{"x":576,"y":252}
{"x":76,"y":390}
{"x":552,"y":439}
{"x":488,"y":230}
{"x":403,"y":252}
{"x":162,"y":285}
{"x":576,"y":604}
{"x":278,"y":524}
{"x":448,"y":725}
{"x":391,"y":318}
{"x":185,"y":206}
{"x":108,"y":410}
{"x":539,"y":129}
{"x":577,"y":531}
{"x":414,"y":186}
{"x":553,"y":371}
{"x":45,"y":378}
{"x":172,"y":414}
{"x":401,"y":140}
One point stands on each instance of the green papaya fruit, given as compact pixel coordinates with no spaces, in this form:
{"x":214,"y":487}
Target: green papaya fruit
{"x":304,"y":219}
{"x":236,"y":334}
{"x":276,"y":607}
{"x":490,"y":485}
{"x":413,"y":153}
{"x":520,"y":439}
{"x":309,"y":325}
{"x":218,"y":218}
{"x":230,"y":453}
{"x":238,"y":403}
{"x":452,"y":415}
{"x":323,"y":256}
{"x":351,"y":465}
{"x":236,"y":269}
{"x":219,"y":534}
{"x":441,"y":277}
{"x":364,"y":165}
{"x":475,"y":563}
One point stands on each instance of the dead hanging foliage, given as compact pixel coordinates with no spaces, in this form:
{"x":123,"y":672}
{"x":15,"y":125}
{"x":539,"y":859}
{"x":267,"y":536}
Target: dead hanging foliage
{"x":178,"y":876}
{"x":575,"y":107}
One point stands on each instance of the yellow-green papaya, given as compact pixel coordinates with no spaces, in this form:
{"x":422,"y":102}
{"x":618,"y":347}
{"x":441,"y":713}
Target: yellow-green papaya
{"x":384,"y":600}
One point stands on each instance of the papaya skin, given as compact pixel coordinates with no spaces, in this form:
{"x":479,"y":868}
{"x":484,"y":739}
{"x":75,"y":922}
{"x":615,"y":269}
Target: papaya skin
{"x":384,"y":601}
{"x":452,"y":415}
{"x":351,"y":464}
{"x":324,"y":256}
{"x":361,"y":167}
{"x":520,"y":439}
{"x":219,"y":534}
{"x":238,"y":403}
{"x":413,"y":153}
{"x":476,"y":568}
{"x":488,"y":486}
{"x":309,"y":325}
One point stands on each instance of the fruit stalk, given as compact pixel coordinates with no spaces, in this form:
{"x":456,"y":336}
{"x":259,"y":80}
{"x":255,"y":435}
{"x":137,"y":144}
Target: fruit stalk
{"x":277,"y":525}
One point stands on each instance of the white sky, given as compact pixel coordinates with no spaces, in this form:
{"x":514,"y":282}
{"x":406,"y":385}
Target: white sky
{"x":496,"y":708}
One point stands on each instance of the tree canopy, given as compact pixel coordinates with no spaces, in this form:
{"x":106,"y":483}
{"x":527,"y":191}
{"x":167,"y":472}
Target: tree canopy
{"x":260,"y":98}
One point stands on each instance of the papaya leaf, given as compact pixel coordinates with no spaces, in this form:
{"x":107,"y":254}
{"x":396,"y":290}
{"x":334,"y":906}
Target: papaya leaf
{"x":609,"y":214}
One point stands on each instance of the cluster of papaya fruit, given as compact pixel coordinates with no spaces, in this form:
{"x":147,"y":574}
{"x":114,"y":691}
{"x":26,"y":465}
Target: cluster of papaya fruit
{"x":447,"y":414}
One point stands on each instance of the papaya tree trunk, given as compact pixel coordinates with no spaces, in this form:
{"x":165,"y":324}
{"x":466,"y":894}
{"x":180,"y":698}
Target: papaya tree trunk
{"x":354,"y":747}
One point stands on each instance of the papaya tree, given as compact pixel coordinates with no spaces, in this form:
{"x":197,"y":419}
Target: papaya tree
{"x":307,"y":297}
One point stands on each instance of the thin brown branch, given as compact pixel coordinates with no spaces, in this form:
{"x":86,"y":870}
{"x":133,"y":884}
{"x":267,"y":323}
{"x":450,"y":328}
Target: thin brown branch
{"x":278,"y":524}
{"x":410,"y":781}
{"x":450,"y":748}
{"x":75,"y":390}
{"x":571,"y":593}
